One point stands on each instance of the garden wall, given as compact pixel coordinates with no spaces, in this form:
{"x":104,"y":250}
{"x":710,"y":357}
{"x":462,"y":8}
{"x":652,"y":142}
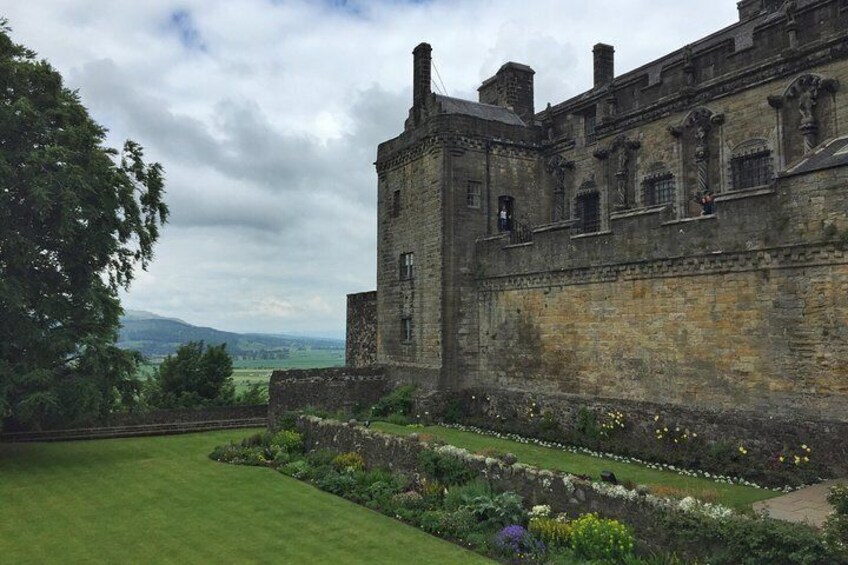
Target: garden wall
{"x":157,"y":422}
{"x":332,"y":389}
{"x":647,"y":515}
{"x":558,"y":417}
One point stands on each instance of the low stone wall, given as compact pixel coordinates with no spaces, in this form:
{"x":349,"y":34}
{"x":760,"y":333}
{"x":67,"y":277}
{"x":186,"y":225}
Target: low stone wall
{"x":158,"y":422}
{"x":647,"y":515}
{"x":337,"y":388}
{"x":762,"y":436}
{"x":180,"y":415}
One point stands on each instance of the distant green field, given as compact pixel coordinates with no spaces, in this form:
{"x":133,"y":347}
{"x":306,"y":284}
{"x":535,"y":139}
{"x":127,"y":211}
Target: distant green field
{"x":162,"y":500}
{"x":249,"y":371}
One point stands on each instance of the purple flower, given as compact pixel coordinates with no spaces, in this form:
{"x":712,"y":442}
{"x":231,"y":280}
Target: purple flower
{"x":515,"y":540}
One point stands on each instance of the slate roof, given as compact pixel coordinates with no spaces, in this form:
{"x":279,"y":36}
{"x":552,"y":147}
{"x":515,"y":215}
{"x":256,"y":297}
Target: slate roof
{"x":832,"y":154}
{"x":450,"y":105}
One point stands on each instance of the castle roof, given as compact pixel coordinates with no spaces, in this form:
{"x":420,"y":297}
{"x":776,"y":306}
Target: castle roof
{"x":449,"y":105}
{"x":832,"y":154}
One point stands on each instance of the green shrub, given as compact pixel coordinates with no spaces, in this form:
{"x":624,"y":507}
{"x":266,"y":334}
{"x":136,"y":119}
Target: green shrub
{"x":397,"y":419}
{"x":838,"y":498}
{"x":348,"y":461}
{"x":253,"y":440}
{"x":398,"y":401}
{"x":321,"y":458}
{"x":499,"y":509}
{"x":299,"y":469}
{"x":458,"y":524}
{"x":341,"y":484}
{"x":586,"y":426}
{"x":288,"y":441}
{"x":598,"y":538}
{"x":287,"y":421}
{"x":461,"y":495}
{"x":444,"y":468}
{"x":553,"y":532}
{"x":409,"y":499}
{"x":454,"y":412}
{"x":750,"y":542}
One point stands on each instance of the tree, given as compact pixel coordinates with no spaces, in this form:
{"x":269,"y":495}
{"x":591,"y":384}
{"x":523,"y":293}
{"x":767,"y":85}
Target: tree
{"x":194,"y":377}
{"x":76,"y":219}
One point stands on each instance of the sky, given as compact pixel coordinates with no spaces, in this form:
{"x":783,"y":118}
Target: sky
{"x":266,"y":115}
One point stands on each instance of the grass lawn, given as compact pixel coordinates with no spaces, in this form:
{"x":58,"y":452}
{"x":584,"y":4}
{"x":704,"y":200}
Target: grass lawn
{"x":161,"y":500}
{"x":735,"y":496}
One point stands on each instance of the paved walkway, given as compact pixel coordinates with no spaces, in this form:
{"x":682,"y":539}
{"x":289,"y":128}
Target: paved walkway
{"x":805,"y":505}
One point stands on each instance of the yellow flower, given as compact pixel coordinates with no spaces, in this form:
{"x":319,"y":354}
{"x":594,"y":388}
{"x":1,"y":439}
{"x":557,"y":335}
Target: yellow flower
{"x":782,"y":458}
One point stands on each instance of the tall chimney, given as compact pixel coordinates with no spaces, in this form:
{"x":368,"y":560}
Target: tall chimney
{"x":604,"y":64}
{"x":421,"y":75}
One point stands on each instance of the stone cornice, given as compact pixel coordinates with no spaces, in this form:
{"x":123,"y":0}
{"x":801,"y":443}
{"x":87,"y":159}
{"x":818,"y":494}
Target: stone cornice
{"x":457,"y":141}
{"x":785,"y":257}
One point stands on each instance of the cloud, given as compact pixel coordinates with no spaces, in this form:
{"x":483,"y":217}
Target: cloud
{"x":267,"y":115}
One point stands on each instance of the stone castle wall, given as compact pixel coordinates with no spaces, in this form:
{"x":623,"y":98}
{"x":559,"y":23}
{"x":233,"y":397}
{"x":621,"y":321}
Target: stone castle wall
{"x":361,"y":334}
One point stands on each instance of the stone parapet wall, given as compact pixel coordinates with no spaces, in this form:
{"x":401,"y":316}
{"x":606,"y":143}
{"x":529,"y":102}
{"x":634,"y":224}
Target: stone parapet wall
{"x":762,"y":435}
{"x":361,"y":335}
{"x":647,"y":515}
{"x":326,"y":389}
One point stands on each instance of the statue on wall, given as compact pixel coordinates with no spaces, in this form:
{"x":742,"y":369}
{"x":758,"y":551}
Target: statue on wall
{"x":624,"y":149}
{"x":558,"y":167}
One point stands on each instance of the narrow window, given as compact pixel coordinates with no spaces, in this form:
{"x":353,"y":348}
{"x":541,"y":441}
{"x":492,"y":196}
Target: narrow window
{"x":589,"y":126}
{"x":406,"y":329}
{"x":473,"y":194}
{"x":588,"y":212}
{"x":396,"y":204}
{"x":407,"y":264}
{"x":659,"y":190}
{"x":751,"y":170}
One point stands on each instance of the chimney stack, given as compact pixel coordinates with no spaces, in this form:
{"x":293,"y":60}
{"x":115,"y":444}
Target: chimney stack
{"x":604,"y":64}
{"x":421,"y":57}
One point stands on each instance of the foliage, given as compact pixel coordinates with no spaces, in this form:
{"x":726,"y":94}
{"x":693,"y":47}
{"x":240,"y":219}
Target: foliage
{"x":287,"y":421}
{"x":398,"y":401}
{"x":454,"y":411}
{"x":349,"y":461}
{"x":462,"y":495}
{"x":76,"y":218}
{"x":397,"y":419}
{"x":586,"y":427}
{"x":256,"y":393}
{"x":458,"y":524}
{"x":289,"y":441}
{"x":444,"y":468}
{"x":554,"y":532}
{"x":838,"y":498}
{"x":599,"y":538}
{"x":195,"y":376}
{"x":499,"y":509}
{"x":515,"y":542}
{"x":299,"y":469}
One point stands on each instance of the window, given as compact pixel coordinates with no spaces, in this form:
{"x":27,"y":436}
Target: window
{"x":396,"y":204}
{"x":473,"y":194}
{"x":588,"y":212}
{"x":589,"y":126}
{"x":406,"y":329}
{"x":659,"y":189}
{"x":407,"y":261}
{"x":751,"y":169}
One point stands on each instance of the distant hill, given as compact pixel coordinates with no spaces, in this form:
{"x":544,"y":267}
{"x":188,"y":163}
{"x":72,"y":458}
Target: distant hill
{"x":157,"y":336}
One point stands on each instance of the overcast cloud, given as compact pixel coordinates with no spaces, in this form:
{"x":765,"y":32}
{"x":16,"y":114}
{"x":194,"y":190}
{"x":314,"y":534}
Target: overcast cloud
{"x":266,"y":116}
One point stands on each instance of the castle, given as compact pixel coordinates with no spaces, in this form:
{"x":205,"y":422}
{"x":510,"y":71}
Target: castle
{"x":675,"y":237}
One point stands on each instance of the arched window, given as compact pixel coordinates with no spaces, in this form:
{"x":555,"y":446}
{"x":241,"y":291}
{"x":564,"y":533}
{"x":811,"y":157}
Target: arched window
{"x":751,"y":165}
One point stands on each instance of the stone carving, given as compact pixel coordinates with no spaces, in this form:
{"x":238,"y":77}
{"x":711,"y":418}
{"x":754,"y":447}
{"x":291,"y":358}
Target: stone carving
{"x":805,"y":90}
{"x":688,"y":66}
{"x":701,"y":121}
{"x":549,"y":123}
{"x":624,"y":148}
{"x":789,"y":8}
{"x":558,"y":167}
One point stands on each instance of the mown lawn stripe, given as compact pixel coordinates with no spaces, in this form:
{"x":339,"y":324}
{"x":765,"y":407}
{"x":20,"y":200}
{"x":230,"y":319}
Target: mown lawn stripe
{"x":161,"y":500}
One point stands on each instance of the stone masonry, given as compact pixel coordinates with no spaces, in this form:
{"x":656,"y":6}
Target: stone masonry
{"x":676,"y":235}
